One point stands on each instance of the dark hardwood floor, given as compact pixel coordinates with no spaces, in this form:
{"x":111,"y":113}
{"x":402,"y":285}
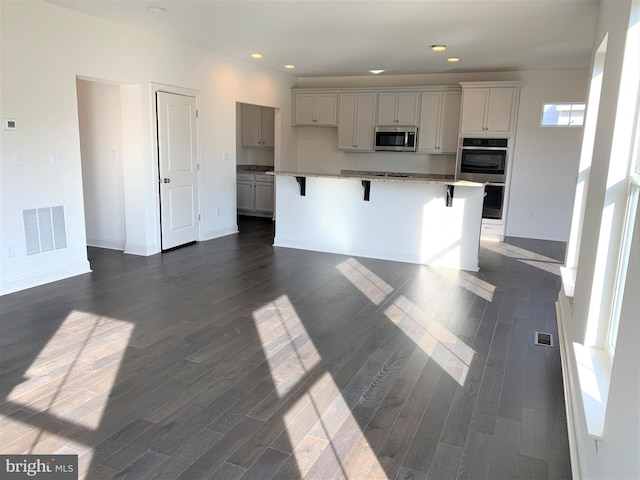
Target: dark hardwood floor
{"x":234,"y":359}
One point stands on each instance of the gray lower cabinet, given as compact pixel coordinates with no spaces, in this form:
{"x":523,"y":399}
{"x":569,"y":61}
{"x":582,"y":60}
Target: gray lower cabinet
{"x":254,"y":194}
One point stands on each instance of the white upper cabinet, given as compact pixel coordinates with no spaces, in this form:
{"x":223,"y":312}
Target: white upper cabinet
{"x":268,"y":129}
{"x":439,"y":120}
{"x":488,"y":110}
{"x":257,"y":126}
{"x":316,"y":109}
{"x":356,"y":121}
{"x":398,"y":108}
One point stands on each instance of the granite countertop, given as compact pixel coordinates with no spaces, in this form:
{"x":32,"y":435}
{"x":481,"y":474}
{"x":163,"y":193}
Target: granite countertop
{"x":254,"y":168}
{"x":402,"y":177}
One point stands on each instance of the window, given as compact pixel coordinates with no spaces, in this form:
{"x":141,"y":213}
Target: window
{"x":562,"y":115}
{"x":623,"y":260}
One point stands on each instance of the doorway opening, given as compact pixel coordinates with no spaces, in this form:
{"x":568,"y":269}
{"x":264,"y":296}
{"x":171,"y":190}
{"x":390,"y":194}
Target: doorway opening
{"x":101,"y":150}
{"x":255,"y":145}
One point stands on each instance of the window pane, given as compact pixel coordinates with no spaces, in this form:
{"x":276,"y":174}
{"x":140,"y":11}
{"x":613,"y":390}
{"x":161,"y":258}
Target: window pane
{"x":562,"y":115}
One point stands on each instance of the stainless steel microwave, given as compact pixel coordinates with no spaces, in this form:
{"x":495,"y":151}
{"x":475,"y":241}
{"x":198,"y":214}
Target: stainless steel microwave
{"x":396,"y":139}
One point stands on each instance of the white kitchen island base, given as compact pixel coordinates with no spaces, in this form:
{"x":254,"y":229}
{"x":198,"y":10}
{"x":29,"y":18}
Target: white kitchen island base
{"x":405,"y":220}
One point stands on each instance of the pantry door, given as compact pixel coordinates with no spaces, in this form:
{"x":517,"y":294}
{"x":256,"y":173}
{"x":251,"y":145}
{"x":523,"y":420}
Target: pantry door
{"x":178,"y":168}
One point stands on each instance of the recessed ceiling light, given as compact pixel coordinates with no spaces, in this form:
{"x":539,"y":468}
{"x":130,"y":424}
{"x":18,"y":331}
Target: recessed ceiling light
{"x":438,"y":48}
{"x":376,"y":72}
{"x":453,"y":59}
{"x":156,"y":9}
{"x":256,"y":55}
{"x":289,"y":66}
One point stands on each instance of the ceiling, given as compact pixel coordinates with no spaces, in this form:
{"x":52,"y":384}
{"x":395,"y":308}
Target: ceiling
{"x":345,"y":38}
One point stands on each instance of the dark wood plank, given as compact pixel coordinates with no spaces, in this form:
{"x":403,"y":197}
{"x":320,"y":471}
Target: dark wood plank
{"x":505,"y":450}
{"x":445,"y":463}
{"x":474,"y":463}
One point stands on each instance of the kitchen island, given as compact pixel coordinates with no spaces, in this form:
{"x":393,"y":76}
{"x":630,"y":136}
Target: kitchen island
{"x":406,"y":217}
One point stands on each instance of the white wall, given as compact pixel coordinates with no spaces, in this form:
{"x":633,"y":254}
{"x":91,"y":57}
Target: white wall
{"x":44,"y":47}
{"x":544,"y":161}
{"x":545,"y":158}
{"x":99,"y":118}
{"x":615,"y":456}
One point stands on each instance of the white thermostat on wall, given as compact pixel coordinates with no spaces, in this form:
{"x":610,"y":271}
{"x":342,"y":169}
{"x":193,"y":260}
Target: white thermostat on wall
{"x":9,"y":124}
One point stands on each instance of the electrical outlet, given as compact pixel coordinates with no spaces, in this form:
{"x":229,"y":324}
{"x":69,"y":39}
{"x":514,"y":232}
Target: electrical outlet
{"x":56,"y":158}
{"x":531,"y":215}
{"x":11,"y":251}
{"x":17,"y":159}
{"x":226,"y":156}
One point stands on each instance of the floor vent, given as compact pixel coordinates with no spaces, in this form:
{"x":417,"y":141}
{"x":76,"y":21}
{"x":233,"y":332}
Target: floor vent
{"x":44,"y":229}
{"x":544,"y":339}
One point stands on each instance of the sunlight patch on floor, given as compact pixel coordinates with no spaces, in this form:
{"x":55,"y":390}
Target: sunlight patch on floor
{"x":452,"y":354}
{"x":481,"y":288}
{"x":319,"y":413}
{"x":372,"y":286}
{"x":69,"y":382}
{"x":533,"y":259}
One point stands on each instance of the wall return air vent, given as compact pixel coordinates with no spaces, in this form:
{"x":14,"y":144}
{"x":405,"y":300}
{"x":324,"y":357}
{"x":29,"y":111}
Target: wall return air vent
{"x":44,"y":229}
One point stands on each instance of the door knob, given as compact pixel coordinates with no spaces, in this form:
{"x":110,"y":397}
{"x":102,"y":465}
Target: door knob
{"x":166,"y":180}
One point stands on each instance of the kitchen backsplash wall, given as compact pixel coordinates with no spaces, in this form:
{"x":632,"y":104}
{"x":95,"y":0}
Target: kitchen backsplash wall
{"x":318,"y":152}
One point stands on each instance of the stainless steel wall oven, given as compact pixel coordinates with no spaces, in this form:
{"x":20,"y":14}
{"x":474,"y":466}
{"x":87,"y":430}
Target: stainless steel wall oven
{"x":493,"y":201}
{"x":483,"y":159}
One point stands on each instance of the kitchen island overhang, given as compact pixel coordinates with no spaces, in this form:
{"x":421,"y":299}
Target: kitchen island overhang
{"x":423,"y":219}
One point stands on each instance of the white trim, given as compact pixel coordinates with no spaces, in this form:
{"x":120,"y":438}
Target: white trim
{"x":109,"y":243}
{"x":219,"y":232}
{"x":594,"y":377}
{"x":571,"y":403}
{"x":353,"y":250}
{"x":568,"y":280}
{"x":142,"y":250}
{"x":46,"y":276}
{"x":552,"y":236}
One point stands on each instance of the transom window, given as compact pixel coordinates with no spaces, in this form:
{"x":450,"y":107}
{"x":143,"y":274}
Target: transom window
{"x":562,"y":115}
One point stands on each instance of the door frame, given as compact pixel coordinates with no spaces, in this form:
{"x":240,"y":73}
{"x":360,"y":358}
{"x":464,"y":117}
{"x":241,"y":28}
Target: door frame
{"x":155,"y":88}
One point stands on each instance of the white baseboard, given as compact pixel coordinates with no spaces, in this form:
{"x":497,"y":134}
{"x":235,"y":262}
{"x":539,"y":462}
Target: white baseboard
{"x":105,"y":243}
{"x":552,"y":236}
{"x":28,"y":281}
{"x":142,"y":250}
{"x":342,"y":249}
{"x":220,"y":232}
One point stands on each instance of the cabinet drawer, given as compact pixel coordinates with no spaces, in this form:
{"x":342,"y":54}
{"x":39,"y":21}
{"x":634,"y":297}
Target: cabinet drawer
{"x":245,"y":176}
{"x":261,"y":177}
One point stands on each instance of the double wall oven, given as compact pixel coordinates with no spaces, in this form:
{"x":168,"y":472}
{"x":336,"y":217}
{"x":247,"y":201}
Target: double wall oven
{"x":486,"y":160}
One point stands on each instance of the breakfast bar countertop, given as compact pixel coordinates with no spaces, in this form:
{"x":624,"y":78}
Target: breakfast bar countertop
{"x":404,"y":177}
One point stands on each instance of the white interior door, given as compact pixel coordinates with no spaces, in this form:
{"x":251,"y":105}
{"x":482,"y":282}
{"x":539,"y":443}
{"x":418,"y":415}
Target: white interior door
{"x":178,"y":167}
